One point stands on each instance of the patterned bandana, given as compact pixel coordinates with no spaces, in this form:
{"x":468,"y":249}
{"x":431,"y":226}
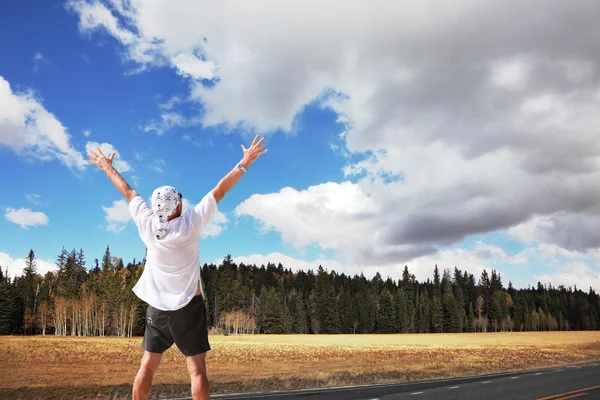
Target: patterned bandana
{"x":165,"y":200}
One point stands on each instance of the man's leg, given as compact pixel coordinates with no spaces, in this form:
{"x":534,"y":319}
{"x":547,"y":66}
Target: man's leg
{"x":143,"y":380}
{"x":197,"y":369}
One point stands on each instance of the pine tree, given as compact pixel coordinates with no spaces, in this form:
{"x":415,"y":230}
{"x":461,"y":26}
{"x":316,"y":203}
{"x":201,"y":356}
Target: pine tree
{"x":425,"y":306}
{"x":96,"y":269}
{"x":402,"y":311}
{"x":347,"y":312}
{"x":287,"y":321}
{"x":451,"y":314}
{"x":315,"y":321}
{"x":272,"y":310}
{"x":386,"y":316}
{"x":300,"y":322}
{"x":437,"y":316}
{"x":437,"y":289}
{"x":29,"y":275}
{"x":106,"y":261}
{"x":8,"y":304}
{"x":471,"y":319}
{"x":331,"y":318}
{"x":486,"y":290}
{"x":326,"y":304}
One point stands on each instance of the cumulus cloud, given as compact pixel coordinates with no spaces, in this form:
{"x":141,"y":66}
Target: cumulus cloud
{"x":25,"y":217}
{"x":572,"y":231}
{"x":216,"y":225}
{"x":117,"y":216}
{"x":28,"y":129}
{"x":15,"y":265}
{"x":482,"y":127}
{"x":573,"y":274}
{"x":107,"y":149}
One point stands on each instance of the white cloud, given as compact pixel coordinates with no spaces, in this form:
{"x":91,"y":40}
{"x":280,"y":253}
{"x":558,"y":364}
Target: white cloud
{"x":421,"y":267}
{"x":158,"y":166}
{"x":215,"y":226}
{"x":483,"y":138}
{"x":38,"y":59}
{"x":575,"y":273}
{"x":522,"y":269}
{"x":342,"y":217}
{"x":15,"y":265}
{"x":170,"y":120}
{"x":25,"y":217}
{"x":190,"y":65}
{"x":287,"y":261}
{"x":87,"y":133}
{"x":35,"y":199}
{"x":169,"y":104}
{"x":28,"y":129}
{"x":107,"y":149}
{"x":117,"y":216}
{"x":474,"y":261}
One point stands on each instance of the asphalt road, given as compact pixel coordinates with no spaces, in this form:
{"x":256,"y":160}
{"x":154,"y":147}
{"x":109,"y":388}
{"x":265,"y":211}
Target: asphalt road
{"x":581,"y":381}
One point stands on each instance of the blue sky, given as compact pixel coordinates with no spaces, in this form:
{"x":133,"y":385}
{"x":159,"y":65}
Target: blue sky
{"x":176,"y":90}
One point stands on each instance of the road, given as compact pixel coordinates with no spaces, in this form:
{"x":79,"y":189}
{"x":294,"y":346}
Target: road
{"x":581,"y":381}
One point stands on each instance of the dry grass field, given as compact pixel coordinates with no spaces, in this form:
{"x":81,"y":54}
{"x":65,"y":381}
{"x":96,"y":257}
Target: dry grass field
{"x":103,"y":368}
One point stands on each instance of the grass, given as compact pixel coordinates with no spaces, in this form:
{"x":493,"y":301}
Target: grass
{"x":104,"y":368}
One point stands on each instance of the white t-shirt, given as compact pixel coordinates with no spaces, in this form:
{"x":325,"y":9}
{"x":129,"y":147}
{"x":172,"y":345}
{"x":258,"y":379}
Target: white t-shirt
{"x":172,"y":272}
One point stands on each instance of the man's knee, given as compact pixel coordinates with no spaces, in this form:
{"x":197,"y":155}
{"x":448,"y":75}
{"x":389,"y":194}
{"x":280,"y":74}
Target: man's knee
{"x":197,"y":366}
{"x":197,"y":371}
{"x":148,"y":368}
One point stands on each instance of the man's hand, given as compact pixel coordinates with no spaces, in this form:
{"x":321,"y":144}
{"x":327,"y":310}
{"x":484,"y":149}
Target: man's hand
{"x":251,"y":154}
{"x":105,"y":164}
{"x":100,"y":159}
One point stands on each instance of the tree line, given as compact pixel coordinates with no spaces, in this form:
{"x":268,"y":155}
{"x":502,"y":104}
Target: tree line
{"x":241,"y":299}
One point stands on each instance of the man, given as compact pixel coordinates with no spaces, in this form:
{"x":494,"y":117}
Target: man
{"x":171,"y":283}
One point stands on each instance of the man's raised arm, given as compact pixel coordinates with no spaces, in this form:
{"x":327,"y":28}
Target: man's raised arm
{"x":105,"y":164}
{"x":250,"y":155}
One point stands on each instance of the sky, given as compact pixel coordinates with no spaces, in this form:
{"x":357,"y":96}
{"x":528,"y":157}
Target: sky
{"x":410,"y":133}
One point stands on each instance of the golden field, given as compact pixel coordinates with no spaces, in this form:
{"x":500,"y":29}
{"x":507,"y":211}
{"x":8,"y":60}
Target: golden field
{"x":104,"y":368}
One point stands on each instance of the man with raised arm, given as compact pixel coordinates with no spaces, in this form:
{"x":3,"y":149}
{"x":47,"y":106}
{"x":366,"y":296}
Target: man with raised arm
{"x":171,"y":283}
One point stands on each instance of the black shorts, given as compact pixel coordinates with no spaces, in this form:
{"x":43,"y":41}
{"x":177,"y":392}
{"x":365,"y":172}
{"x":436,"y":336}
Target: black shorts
{"x":185,"y":327}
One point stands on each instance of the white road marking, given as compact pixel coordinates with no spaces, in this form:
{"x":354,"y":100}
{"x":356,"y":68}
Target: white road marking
{"x":417,"y":393}
{"x":539,"y":373}
{"x":514,"y":377}
{"x":454,"y":387}
{"x":486,"y":382}
{"x":559,"y":370}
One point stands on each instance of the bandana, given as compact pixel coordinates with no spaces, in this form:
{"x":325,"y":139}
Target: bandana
{"x":165,"y":200}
